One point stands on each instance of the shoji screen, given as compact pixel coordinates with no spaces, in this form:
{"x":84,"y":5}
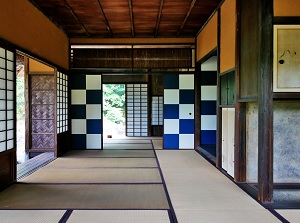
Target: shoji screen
{"x":62,"y":102}
{"x":7,"y":99}
{"x":137,"y":109}
{"x":157,"y":110}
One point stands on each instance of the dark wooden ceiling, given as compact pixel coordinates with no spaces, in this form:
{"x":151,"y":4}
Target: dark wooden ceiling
{"x":128,"y":18}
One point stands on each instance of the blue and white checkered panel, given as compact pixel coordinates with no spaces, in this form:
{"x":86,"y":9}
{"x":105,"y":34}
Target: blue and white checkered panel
{"x":179,"y":111}
{"x":86,"y":102}
{"x":208,"y":108}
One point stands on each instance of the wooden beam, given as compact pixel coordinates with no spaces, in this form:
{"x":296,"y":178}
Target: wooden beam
{"x":265,"y":102}
{"x":186,"y":16}
{"x":158,"y":17}
{"x":75,"y":16}
{"x":131,"y":17}
{"x":105,"y":19}
{"x":145,"y":41}
{"x":240,"y":111}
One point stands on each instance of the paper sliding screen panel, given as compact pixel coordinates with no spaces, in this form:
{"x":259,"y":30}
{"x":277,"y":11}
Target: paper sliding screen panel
{"x":62,"y":102}
{"x":137,"y":109}
{"x":7,"y":99}
{"x":157,"y":110}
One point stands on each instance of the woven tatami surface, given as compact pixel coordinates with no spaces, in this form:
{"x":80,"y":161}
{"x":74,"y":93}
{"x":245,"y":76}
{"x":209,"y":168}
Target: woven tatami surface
{"x":31,"y":216}
{"x":114,"y":216}
{"x":110,"y":153}
{"x":94,"y":175}
{"x":157,"y":143}
{"x":37,"y":196}
{"x":200,"y":193}
{"x":102,"y":163}
{"x":291,"y":215}
{"x":127,"y":146}
{"x":127,"y":141}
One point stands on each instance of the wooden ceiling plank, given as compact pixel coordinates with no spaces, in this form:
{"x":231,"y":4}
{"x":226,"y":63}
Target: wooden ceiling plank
{"x":131,"y":17}
{"x":186,"y":17}
{"x":76,"y":17}
{"x":159,"y":17}
{"x":105,"y":19}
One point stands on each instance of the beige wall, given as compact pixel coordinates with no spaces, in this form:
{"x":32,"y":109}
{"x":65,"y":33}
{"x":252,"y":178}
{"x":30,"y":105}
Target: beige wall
{"x":25,"y":26}
{"x":286,"y":8}
{"x":35,"y":66}
{"x":227,"y":38}
{"x":207,"y":38}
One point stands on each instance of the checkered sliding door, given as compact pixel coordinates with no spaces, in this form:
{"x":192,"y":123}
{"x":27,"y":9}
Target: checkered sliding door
{"x":86,"y":111}
{"x":208,"y":108}
{"x":179,"y":111}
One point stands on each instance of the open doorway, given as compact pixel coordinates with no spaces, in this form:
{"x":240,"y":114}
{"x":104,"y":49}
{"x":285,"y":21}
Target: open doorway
{"x":114,"y":111}
{"x":22,"y":155}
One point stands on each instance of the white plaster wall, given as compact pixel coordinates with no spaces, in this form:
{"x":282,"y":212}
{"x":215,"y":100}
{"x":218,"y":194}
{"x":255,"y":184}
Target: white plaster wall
{"x":252,"y":142}
{"x":286,"y":142}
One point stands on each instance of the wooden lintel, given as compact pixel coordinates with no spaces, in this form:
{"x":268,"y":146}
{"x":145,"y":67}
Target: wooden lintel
{"x":186,"y":16}
{"x":158,"y":17}
{"x":146,"y":41}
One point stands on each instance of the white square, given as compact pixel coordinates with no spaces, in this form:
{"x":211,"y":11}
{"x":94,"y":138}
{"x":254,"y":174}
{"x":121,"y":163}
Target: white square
{"x":186,"y":141}
{"x":186,"y":111}
{"x":78,"y":126}
{"x":78,"y":97}
{"x":93,"y":141}
{"x":171,"y":126}
{"x":171,"y":96}
{"x":208,"y":93}
{"x":93,"y":82}
{"x":186,"y":81}
{"x":93,"y":111}
{"x":208,"y":122}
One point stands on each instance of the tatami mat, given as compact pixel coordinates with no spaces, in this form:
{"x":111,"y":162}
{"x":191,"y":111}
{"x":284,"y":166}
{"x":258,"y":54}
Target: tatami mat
{"x":157,"y":143}
{"x":292,"y":215}
{"x":94,"y":175}
{"x":124,"y":216}
{"x":34,"y":196}
{"x":110,"y":153}
{"x":31,"y":216}
{"x":98,"y":163}
{"x":121,"y":141}
{"x":200,"y":193}
{"x":127,"y":146}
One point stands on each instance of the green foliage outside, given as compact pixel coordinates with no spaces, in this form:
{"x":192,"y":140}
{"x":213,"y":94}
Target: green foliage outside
{"x":114,"y":103}
{"x":20,"y":99}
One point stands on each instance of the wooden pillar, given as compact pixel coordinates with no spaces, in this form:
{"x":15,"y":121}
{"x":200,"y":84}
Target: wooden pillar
{"x":197,"y":81}
{"x":265,"y":101}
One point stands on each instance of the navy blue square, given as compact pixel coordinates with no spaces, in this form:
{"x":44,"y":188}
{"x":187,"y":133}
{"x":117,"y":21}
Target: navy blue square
{"x":171,"y":111}
{"x":94,"y":97}
{"x":208,"y":137}
{"x":186,"y":97}
{"x":209,"y":78}
{"x":171,"y":81}
{"x":186,"y":126}
{"x":78,"y":111}
{"x":93,"y":126}
{"x":77,"y":82}
{"x":78,"y":141}
{"x":208,"y":107}
{"x":171,"y":141}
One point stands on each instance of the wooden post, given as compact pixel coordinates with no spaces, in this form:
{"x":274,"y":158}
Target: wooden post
{"x":265,"y":101}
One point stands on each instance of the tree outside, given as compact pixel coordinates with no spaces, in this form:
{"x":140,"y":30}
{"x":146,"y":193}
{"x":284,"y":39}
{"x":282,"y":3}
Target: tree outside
{"x":114,"y":110}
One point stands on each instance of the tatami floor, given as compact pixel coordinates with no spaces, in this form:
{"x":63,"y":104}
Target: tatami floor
{"x":129,"y":181}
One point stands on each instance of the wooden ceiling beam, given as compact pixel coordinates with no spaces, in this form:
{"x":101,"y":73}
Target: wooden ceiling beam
{"x":105,"y":19}
{"x":186,"y":17}
{"x":75,"y":16}
{"x":131,"y":17}
{"x":158,"y":17}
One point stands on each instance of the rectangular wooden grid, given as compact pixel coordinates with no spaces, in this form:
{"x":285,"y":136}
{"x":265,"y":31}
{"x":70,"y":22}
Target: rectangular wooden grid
{"x":62,"y":102}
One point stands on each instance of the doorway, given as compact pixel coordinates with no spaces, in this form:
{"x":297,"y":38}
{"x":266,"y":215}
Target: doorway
{"x":114,"y":111}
